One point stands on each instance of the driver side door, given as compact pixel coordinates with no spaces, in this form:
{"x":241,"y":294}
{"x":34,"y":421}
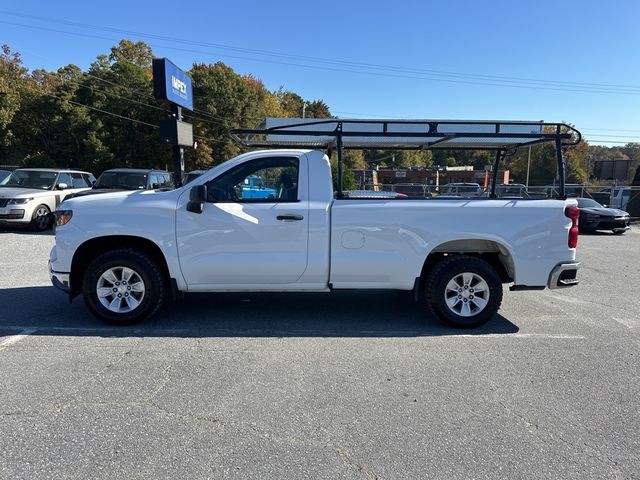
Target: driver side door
{"x":247,"y":235}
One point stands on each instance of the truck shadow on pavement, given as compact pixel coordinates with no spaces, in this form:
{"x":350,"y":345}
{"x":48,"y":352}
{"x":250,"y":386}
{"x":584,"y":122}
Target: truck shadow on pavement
{"x":339,"y":314}
{"x":27,"y":231}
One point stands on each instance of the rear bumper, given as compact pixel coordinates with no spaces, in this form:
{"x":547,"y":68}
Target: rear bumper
{"x":564,"y":275}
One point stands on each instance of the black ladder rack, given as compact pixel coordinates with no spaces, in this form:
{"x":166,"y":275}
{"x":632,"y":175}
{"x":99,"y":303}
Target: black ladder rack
{"x":503,"y":137}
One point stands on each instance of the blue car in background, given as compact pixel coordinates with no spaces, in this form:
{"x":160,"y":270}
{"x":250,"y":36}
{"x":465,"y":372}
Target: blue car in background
{"x":254,"y":187}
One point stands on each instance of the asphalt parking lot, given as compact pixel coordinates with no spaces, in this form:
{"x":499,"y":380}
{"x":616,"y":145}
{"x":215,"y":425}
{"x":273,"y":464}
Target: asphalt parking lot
{"x":349,"y":385}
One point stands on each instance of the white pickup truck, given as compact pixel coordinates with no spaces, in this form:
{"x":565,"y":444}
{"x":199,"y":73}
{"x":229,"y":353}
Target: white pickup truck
{"x":127,"y":252}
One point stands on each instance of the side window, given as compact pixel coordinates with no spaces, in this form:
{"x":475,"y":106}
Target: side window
{"x":65,"y":178}
{"x":271,"y":179}
{"x":154,"y":181}
{"x":77,"y":181}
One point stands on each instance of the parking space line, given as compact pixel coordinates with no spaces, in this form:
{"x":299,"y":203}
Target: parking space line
{"x":626,"y":322}
{"x":25,"y":332}
{"x":555,"y":336}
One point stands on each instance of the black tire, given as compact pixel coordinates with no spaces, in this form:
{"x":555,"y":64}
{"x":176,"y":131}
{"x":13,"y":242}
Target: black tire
{"x":451,"y":268}
{"x":41,"y":219}
{"x":146,"y":269}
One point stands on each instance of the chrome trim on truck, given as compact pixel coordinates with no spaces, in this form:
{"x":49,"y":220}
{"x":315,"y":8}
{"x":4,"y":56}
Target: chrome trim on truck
{"x":564,"y":275}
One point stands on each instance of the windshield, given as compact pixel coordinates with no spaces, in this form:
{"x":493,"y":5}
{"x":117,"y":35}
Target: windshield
{"x":588,"y":203}
{"x":30,"y":179}
{"x":122,"y":180}
{"x":192,"y":176}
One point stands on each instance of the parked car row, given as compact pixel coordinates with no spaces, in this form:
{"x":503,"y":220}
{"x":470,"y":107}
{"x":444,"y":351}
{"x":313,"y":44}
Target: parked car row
{"x":29,"y":195}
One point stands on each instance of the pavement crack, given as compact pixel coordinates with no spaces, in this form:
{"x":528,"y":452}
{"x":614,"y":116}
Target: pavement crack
{"x":362,"y":468}
{"x":18,"y":413}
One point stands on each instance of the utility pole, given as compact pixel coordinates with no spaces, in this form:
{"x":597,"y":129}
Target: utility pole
{"x":304,"y":109}
{"x":178,"y":150}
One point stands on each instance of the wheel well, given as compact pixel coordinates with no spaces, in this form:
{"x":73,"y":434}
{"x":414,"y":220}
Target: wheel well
{"x":90,"y":249}
{"x":491,"y":252}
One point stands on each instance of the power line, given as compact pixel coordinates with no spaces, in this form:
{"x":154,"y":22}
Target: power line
{"x":165,"y":111}
{"x":500,"y":78}
{"x":472,"y":79}
{"x":106,"y":112}
{"x":91,"y":87}
{"x":221,"y":119}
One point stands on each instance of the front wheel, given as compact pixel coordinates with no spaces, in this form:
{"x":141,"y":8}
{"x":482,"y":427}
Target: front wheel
{"x":41,"y":218}
{"x":123,"y":287}
{"x":463,"y":291}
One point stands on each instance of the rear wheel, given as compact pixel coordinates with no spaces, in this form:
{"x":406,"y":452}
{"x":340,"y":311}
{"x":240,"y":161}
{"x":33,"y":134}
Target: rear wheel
{"x":123,"y":287}
{"x":41,"y":218}
{"x":463,"y":291}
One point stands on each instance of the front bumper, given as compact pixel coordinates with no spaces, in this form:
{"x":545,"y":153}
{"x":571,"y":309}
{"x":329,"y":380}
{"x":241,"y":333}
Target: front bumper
{"x":564,"y":275}
{"x":606,"y":223}
{"x":60,"y":280}
{"x":12,"y":216}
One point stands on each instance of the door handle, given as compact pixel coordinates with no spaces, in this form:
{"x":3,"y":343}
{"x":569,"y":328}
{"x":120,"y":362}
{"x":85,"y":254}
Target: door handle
{"x":289,"y":217}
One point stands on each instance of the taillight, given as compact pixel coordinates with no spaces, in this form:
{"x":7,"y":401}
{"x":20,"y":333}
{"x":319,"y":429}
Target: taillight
{"x":573,"y":213}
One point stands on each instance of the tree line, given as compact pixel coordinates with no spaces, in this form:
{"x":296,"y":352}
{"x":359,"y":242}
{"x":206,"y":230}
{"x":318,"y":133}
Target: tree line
{"x":107,"y":117}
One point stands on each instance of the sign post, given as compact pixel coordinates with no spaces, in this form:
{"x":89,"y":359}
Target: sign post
{"x":174,"y":85}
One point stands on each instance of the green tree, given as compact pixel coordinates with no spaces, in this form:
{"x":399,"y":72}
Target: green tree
{"x":222,"y":98}
{"x":348,"y":177}
{"x":13,"y":85}
{"x":291,"y":103}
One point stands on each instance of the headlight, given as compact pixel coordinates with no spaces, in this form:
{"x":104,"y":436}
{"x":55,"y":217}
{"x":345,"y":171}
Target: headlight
{"x":19,"y":201}
{"x":63,"y":217}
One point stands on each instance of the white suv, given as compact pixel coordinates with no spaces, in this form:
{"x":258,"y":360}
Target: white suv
{"x":29,"y":195}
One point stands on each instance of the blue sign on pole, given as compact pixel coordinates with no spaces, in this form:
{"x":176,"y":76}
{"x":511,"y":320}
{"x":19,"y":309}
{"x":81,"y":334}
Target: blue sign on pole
{"x":172,"y":84}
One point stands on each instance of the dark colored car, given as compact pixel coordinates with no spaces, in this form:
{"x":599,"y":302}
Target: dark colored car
{"x":119,"y":179}
{"x":594,"y":216}
{"x":193,"y":175}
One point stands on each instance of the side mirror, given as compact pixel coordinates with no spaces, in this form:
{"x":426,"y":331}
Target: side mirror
{"x":197,"y":199}
{"x":62,"y":186}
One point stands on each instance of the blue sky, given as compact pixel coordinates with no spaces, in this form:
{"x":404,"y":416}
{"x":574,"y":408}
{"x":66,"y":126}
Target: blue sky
{"x":434,"y":59}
